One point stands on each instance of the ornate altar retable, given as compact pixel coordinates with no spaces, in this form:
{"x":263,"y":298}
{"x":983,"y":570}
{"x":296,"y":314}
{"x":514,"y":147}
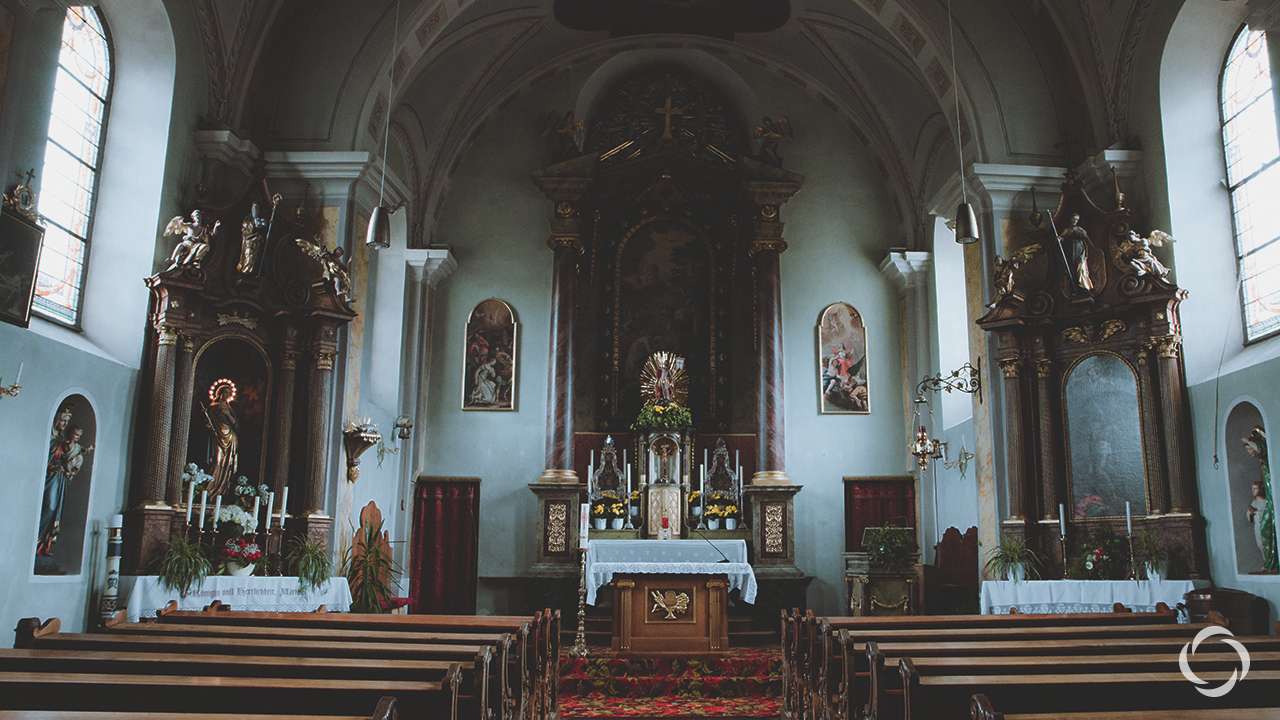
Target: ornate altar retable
{"x":670,"y":596}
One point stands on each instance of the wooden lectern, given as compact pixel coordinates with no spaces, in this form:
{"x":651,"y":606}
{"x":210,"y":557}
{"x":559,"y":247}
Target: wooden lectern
{"x":670,"y":615}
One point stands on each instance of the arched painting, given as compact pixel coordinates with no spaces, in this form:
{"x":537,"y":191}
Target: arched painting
{"x":228,"y":413}
{"x":489,"y":375}
{"x":1104,"y":438}
{"x":64,"y":504}
{"x":842,"y":361}
{"x":1250,"y":491}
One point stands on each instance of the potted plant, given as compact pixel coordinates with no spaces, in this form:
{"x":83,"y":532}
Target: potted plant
{"x":1013,"y":560}
{"x":310,"y":562}
{"x":369,"y":569}
{"x":1148,"y":552}
{"x":695,"y":506}
{"x":891,"y":548}
{"x":665,"y":415}
{"x":712,"y":514}
{"x":633,"y":507}
{"x":730,"y":517}
{"x":609,"y":510}
{"x":239,"y":555}
{"x":182,"y":566}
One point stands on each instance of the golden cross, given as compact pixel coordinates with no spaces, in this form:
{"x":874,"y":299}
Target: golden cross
{"x":667,"y":111}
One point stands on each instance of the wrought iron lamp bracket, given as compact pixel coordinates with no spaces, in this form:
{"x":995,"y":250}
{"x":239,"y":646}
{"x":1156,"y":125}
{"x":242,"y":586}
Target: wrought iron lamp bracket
{"x":964,"y":379}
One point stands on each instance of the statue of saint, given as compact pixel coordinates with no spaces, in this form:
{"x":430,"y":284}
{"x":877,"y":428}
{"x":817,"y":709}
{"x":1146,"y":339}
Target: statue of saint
{"x":224,"y":426}
{"x":253,"y":234}
{"x":1078,"y":241}
{"x":1262,"y":510}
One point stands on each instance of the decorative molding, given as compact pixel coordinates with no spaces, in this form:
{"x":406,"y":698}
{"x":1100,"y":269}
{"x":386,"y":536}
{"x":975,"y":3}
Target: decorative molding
{"x":166,"y":334}
{"x":1044,"y":367}
{"x":905,"y":267}
{"x":767,"y":244}
{"x":775,"y":529}
{"x":1011,"y":367}
{"x":557,"y":528}
{"x":435,"y":264}
{"x":324,"y":359}
{"x":233,"y":319}
{"x":573,"y":242}
{"x":227,"y":148}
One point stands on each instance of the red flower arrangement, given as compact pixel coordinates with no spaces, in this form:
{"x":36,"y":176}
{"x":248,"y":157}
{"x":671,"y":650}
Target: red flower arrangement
{"x":242,"y":551}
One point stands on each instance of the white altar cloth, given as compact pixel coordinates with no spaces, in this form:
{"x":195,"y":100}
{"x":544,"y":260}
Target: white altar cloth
{"x":261,"y":594}
{"x":1081,"y":596}
{"x":659,"y":557}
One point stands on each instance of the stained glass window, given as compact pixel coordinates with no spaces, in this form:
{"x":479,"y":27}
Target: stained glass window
{"x":1249,"y":136}
{"x":72,"y":159}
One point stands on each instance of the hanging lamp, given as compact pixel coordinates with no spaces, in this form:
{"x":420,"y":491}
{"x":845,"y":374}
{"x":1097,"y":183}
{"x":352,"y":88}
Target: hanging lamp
{"x":966,"y":219}
{"x":378,"y":236}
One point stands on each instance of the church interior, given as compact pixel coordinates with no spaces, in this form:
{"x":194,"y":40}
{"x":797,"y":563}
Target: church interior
{"x":492,"y":309}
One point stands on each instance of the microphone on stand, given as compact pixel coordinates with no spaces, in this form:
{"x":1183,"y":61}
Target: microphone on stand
{"x":713,"y":546}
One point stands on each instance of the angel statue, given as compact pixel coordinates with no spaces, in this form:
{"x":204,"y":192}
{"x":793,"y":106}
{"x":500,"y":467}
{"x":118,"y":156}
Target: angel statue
{"x":195,"y":240}
{"x":767,"y":134}
{"x":567,"y":131}
{"x":1004,"y":272}
{"x":330,"y":264}
{"x":1135,"y":251}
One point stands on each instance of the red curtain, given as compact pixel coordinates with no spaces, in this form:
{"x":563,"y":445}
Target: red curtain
{"x":876,"y":502}
{"x":444,"y":563}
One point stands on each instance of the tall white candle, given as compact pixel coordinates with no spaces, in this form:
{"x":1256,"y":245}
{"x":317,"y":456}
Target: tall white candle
{"x":191,"y":498}
{"x":628,"y":483}
{"x":705,"y":457}
{"x":204,"y":502}
{"x":1062,"y":519}
{"x":217,"y":510}
{"x":284,"y":506}
{"x":737,"y":461}
{"x":271,"y":508}
{"x":584,"y":521}
{"x":1128,"y":518}
{"x":256,"y":501}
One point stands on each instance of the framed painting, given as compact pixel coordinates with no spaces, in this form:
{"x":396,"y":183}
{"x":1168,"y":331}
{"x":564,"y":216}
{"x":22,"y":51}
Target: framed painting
{"x":1105,"y":462}
{"x":842,"y":361}
{"x":489,"y":371}
{"x":68,"y":477}
{"x":20,"y":241}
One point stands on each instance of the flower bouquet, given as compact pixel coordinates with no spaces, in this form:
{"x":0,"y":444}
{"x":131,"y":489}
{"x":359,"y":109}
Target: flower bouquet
{"x":609,"y":508}
{"x":245,"y":492}
{"x":663,"y":416}
{"x":236,"y":521}
{"x":240,"y":555}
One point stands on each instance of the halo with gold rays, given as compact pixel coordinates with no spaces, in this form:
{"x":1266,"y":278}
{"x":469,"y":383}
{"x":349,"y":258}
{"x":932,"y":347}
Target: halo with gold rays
{"x":662,"y":365}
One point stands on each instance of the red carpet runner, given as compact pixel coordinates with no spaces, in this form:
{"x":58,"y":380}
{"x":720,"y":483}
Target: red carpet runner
{"x":745,"y":684}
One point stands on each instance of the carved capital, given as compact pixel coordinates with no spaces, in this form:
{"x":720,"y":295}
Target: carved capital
{"x":768,"y":213}
{"x":290,"y":360}
{"x":1167,"y":346}
{"x":1044,"y":367}
{"x":324,"y":359}
{"x":167,"y":334}
{"x":1011,"y":367}
{"x":188,"y":344}
{"x":573,"y":242}
{"x":566,"y":209}
{"x":759,"y":245}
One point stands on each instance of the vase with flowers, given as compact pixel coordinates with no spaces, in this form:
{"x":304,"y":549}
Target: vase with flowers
{"x":240,"y":556}
{"x":609,"y":511}
{"x":695,"y":503}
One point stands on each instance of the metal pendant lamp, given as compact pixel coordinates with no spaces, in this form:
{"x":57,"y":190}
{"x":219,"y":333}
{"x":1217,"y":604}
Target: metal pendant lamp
{"x":966,"y":219}
{"x":378,"y":235}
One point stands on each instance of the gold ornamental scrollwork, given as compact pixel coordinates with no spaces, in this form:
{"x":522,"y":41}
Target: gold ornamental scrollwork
{"x":324,"y":359}
{"x":566,"y":209}
{"x":234,"y":319}
{"x":1011,"y":367}
{"x":769,"y":212}
{"x":1087,"y":334}
{"x":768,"y":244}
{"x":555,"y":242}
{"x":1111,"y":327}
{"x":774,"y":536}
{"x":671,"y":602}
{"x":557,"y":524}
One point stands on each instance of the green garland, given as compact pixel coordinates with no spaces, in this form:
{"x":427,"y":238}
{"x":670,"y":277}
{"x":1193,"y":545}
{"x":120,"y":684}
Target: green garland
{"x":663,"y":417}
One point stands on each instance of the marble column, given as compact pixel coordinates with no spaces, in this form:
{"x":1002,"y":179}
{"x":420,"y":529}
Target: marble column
{"x":283,"y":426}
{"x":1152,"y":440}
{"x":319,"y":390}
{"x":158,"y":446}
{"x":1015,"y":441}
{"x":1168,"y":351}
{"x":182,"y":394}
{"x":771,"y":452}
{"x":1050,"y":460}
{"x":564,"y":285}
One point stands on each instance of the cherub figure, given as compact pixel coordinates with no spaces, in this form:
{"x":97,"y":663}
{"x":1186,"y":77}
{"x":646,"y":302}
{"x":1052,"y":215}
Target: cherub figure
{"x":567,"y":131}
{"x":1004,"y":272}
{"x":330,"y":264}
{"x":195,"y":243}
{"x":1135,"y":251}
{"x":767,"y":134}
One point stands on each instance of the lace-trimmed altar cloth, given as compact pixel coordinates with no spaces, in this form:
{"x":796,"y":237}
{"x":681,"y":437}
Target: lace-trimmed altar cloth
{"x":1081,"y":596}
{"x":146,"y":595}
{"x":669,"y":557}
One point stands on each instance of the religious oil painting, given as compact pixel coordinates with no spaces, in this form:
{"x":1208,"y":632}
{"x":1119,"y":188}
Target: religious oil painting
{"x":663,"y":303}
{"x":64,"y":504}
{"x":842,"y":361}
{"x":489,"y":375}
{"x":1104,"y":438}
{"x":1250,"y":491}
{"x":19,"y":258}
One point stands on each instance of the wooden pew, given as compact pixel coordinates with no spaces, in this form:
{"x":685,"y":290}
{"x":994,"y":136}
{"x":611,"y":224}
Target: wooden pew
{"x":981,"y":709}
{"x":385,"y":710}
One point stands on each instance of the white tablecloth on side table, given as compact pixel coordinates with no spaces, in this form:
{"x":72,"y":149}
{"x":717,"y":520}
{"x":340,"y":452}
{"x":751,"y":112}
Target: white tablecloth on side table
{"x":665,"y":557}
{"x":146,"y":595}
{"x":1039,"y":597}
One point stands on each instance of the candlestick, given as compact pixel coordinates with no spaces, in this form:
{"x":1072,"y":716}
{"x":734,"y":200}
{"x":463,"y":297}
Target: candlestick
{"x":191,"y":498}
{"x":284,"y":506}
{"x":204,"y":503}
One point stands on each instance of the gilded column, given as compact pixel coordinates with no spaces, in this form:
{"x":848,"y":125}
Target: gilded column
{"x":161,"y":417}
{"x":181,"y":419}
{"x":319,"y":391}
{"x":1014,"y":436}
{"x":1152,"y":442}
{"x":564,"y":285}
{"x":1168,"y":351}
{"x":283,"y":430}
{"x":1049,"y":458}
{"x":771,"y":453}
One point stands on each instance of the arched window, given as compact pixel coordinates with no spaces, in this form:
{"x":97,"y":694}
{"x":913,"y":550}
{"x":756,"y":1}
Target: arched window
{"x":1253,"y":177}
{"x":72,"y":160}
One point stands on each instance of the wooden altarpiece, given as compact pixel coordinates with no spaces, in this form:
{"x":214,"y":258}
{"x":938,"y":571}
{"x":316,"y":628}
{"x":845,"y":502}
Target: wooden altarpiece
{"x":1094,"y":398}
{"x":273,"y":315}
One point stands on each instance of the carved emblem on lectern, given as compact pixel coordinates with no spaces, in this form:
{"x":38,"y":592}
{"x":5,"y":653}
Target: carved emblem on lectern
{"x":671,"y":602}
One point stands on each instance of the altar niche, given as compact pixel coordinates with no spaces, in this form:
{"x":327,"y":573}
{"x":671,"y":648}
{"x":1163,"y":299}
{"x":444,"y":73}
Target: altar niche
{"x":229,"y":408}
{"x":1094,"y":391}
{"x":67,"y":480}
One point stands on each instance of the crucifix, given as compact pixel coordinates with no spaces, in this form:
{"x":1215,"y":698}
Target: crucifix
{"x":667,"y":111}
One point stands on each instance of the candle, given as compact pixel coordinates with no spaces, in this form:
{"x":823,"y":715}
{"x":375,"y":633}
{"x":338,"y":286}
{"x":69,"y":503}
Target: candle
{"x":191,"y":498}
{"x":18,"y":380}
{"x":217,"y":510}
{"x":284,"y":506}
{"x":204,"y":502}
{"x":256,"y":500}
{"x":1062,"y":519}
{"x":628,"y":481}
{"x":117,"y":521}
{"x":1128,"y":518}
{"x":584,"y":521}
{"x":271,"y":507}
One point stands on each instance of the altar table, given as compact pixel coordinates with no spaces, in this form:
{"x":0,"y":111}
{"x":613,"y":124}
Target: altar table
{"x":261,"y":594}
{"x":1039,"y":597}
{"x":669,"y":557}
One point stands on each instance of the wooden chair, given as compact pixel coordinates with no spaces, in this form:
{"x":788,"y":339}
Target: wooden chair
{"x":950,"y":584}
